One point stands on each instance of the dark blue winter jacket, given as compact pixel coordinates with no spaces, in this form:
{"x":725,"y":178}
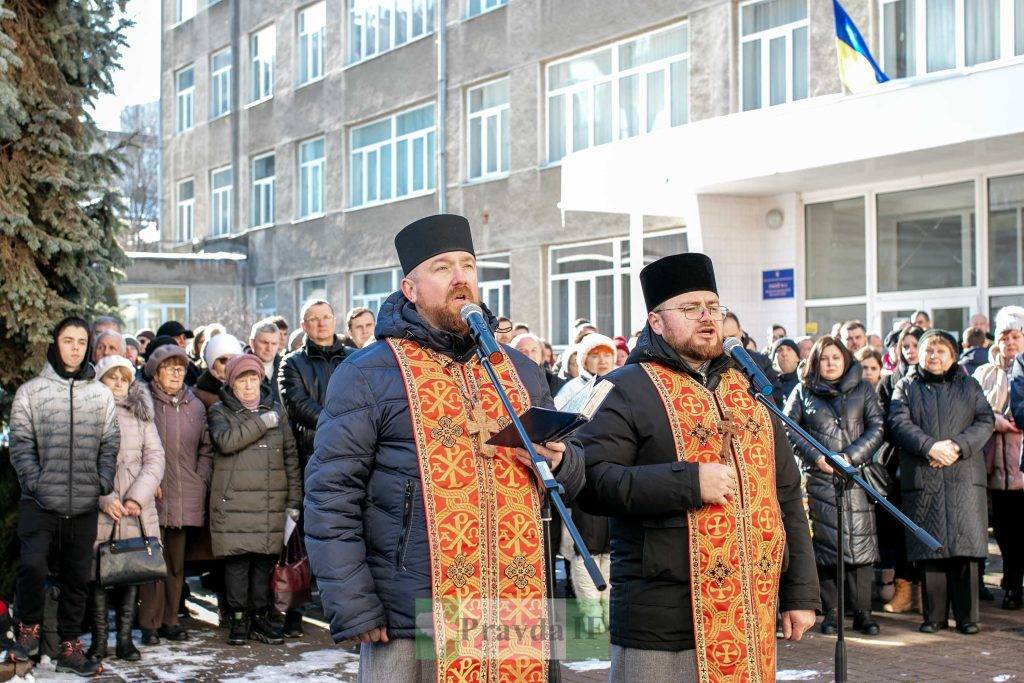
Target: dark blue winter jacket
{"x":1017,"y":391}
{"x":364,"y":519}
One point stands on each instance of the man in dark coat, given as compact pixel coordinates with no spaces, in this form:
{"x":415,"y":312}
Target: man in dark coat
{"x":687,"y":466}
{"x":380,"y":534}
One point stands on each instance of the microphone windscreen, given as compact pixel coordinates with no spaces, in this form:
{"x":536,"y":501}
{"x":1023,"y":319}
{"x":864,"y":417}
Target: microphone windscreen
{"x":730,"y":344}
{"x":470,"y":309}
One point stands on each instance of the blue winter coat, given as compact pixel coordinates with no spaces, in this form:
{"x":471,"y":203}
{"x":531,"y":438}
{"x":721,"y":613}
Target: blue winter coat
{"x":364,"y":519}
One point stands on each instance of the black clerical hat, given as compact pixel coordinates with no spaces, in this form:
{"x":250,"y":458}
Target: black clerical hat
{"x":674,"y":275}
{"x":430,"y":236}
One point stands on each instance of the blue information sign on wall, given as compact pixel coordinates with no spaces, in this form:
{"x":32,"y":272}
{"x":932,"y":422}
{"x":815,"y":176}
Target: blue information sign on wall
{"x":777,"y":284}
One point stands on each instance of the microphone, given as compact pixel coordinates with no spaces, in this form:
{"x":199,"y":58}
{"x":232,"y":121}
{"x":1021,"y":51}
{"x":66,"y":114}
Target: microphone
{"x":734,"y":348}
{"x":473,"y":315}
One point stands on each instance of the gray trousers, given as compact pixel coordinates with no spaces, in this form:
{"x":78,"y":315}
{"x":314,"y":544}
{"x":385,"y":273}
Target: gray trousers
{"x":394,"y":662}
{"x":631,"y":665}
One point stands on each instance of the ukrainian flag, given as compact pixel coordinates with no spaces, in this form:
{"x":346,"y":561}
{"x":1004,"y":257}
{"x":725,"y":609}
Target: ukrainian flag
{"x":857,"y":68}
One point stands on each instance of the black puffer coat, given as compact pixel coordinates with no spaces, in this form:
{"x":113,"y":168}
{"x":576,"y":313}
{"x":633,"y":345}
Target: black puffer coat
{"x":949,"y":502}
{"x":633,"y":476}
{"x":303,"y":378}
{"x":363,"y":517}
{"x":846,"y":417}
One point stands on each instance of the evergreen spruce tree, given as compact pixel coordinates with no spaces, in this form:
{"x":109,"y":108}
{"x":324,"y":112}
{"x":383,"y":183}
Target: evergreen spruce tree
{"x":59,"y":210}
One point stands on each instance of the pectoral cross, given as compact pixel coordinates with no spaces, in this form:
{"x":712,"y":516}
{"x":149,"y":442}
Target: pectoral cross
{"x":479,"y":425}
{"x":728,"y":429}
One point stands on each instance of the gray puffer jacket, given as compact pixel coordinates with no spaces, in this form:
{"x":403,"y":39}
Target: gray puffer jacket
{"x":949,"y":502}
{"x":64,"y":441}
{"x":846,"y":417}
{"x":255,"y":477}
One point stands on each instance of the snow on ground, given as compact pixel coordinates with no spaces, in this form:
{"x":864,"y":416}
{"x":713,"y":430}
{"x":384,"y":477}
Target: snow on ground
{"x":796,"y":675}
{"x":319,"y":666}
{"x":588,"y":665}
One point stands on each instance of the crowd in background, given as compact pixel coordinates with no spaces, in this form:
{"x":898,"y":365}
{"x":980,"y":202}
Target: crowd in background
{"x":200,"y":438}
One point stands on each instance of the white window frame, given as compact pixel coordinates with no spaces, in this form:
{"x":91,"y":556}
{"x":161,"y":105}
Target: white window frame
{"x":373,"y":301}
{"x":184,"y":212}
{"x":262,"y":65}
{"x":310,"y":45}
{"x":425,"y":134}
{"x":184,"y":100}
{"x":177,"y":311}
{"x":265,"y":312}
{"x":429,"y":22}
{"x":184,"y":10}
{"x":484,"y":6}
{"x":220,"y":85}
{"x":305,"y":296}
{"x":766,"y":36}
{"x":496,"y":112}
{"x":1006,"y":36}
{"x":221,"y":198}
{"x":612,"y":79}
{"x":257,"y":192}
{"x":487,"y":287}
{"x":315,"y":169}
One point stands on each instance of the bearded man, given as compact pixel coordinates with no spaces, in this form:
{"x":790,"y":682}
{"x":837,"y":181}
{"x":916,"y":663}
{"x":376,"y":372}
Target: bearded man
{"x":708,"y":530}
{"x":408,"y":511}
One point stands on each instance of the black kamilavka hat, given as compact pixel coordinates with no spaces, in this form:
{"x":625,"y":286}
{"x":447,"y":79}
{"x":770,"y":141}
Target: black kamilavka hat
{"x":430,"y":236}
{"x":677,"y":274}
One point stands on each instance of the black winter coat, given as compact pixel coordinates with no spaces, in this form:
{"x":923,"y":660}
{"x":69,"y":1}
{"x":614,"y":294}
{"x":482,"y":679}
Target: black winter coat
{"x":633,"y":477}
{"x":949,"y":502}
{"x":845,"y":417}
{"x":973,"y":358}
{"x":303,"y":379}
{"x":364,"y":520}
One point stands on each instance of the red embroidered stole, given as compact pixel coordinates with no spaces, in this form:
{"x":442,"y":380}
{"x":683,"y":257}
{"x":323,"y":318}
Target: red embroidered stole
{"x":735,"y":549}
{"x":483,"y":522}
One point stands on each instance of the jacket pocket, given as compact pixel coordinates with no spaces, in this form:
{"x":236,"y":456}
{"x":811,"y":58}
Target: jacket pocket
{"x":665,"y":555}
{"x":403,"y":534}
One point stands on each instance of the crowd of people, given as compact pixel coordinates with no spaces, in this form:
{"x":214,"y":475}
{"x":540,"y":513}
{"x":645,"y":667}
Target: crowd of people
{"x":201,"y":438}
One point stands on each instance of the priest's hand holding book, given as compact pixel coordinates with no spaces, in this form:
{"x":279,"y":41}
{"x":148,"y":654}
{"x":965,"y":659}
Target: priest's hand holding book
{"x":551,"y":451}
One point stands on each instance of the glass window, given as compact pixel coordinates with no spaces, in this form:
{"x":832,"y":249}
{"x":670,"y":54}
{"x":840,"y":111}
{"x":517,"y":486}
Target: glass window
{"x":263,"y":190}
{"x":926,"y":238}
{"x":184,"y":10}
{"x":184,"y":223}
{"x":372,"y":287}
{"x":312,"y":21}
{"x":262,"y":54}
{"x":220,"y":83}
{"x":149,"y":306}
{"x":476,"y":7}
{"x":649,"y":77}
{"x":981,"y":31}
{"x":898,"y":49}
{"x":488,"y":129}
{"x":495,"y":282}
{"x":407,"y":140}
{"x":997,"y":302}
{"x":773,"y":52}
{"x":820,"y":319}
{"x":1018,"y":27}
{"x":266,"y":300}
{"x":311,"y":177}
{"x":312,"y":289}
{"x":221,"y":183}
{"x":1006,"y":231}
{"x":375,"y":26}
{"x":940,"y":34}
{"x":185,"y":91}
{"x":834,"y":244}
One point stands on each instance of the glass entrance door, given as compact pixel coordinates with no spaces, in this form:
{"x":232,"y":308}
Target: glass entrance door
{"x":950,"y":312}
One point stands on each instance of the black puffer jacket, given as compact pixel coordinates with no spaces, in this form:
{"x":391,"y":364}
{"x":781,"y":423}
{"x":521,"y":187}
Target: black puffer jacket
{"x":846,"y":417}
{"x":364,"y":522}
{"x":303,"y":379}
{"x":633,"y":476}
{"x":949,"y":502}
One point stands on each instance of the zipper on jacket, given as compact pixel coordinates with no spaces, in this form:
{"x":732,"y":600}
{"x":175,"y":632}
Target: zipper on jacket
{"x":403,"y":539}
{"x":71,"y":446}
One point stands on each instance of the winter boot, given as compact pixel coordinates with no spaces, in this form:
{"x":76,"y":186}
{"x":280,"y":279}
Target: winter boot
{"x":901,"y":598}
{"x":863,"y":622}
{"x":264,"y":630}
{"x":830,"y":624}
{"x":126,"y":649}
{"x":293,"y":624}
{"x":27,"y":645}
{"x":99,"y":626}
{"x":1013,"y":599}
{"x":239,"y":633}
{"x":72,"y":660}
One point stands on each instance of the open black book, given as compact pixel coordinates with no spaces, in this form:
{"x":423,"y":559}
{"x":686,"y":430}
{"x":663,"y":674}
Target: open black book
{"x":543,"y":424}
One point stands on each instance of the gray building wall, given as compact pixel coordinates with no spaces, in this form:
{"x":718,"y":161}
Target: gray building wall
{"x":517,"y":214}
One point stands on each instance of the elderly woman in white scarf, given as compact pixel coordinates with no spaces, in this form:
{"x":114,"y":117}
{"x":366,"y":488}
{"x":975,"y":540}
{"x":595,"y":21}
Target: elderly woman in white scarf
{"x":1003,"y":452}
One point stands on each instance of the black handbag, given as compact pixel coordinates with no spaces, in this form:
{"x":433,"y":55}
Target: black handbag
{"x":131,"y":561}
{"x":876,"y":474}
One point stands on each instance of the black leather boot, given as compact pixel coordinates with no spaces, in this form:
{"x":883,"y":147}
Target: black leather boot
{"x":239,"y":634}
{"x":126,"y":649}
{"x":829,"y":625}
{"x":264,"y":630}
{"x":863,"y":622}
{"x":100,"y":625}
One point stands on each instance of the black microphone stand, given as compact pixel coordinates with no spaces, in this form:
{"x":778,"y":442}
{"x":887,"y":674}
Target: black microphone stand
{"x":844,"y":477}
{"x":553,"y":496}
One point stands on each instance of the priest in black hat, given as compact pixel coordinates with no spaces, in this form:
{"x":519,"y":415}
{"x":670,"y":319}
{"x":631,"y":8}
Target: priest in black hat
{"x":410,"y":516}
{"x":709,"y":534}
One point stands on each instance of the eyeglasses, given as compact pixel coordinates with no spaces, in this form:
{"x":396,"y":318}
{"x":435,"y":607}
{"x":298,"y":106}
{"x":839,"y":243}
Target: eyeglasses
{"x":503,"y":328}
{"x":696,"y":311}
{"x":317,"y":321}
{"x":174,"y":370}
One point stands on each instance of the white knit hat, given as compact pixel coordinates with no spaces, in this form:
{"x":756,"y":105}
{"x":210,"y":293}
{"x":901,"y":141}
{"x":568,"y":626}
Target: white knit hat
{"x":108,"y":363}
{"x":1009,"y":318}
{"x":219,"y":346}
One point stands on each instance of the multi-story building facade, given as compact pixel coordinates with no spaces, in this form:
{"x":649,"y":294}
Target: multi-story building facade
{"x":298,"y":138}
